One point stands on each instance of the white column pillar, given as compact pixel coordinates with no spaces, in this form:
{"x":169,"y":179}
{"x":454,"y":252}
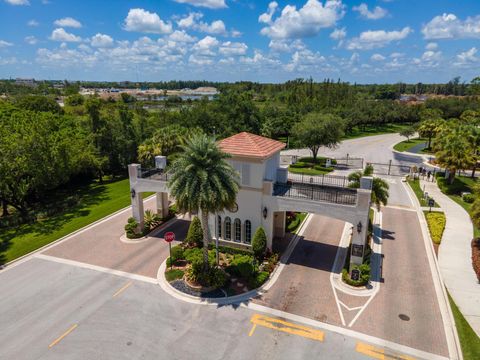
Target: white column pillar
{"x":162,"y":204}
{"x":136,"y":198}
{"x":360,"y":225}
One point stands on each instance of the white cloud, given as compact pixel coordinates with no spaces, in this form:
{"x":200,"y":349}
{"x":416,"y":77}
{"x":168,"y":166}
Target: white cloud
{"x":448,"y":26}
{"x":286,"y":45}
{"x":233,"y":48}
{"x":101,"y":41}
{"x":68,"y":22}
{"x":431,"y":46}
{"x":305,"y":22}
{"x":141,"y":20}
{"x":192,"y":21}
{"x":31,"y":40}
{"x":431,"y":55}
{"x":266,"y":18}
{"x":377,"y":39}
{"x":377,"y":57}
{"x":181,"y":36}
{"x":305,"y":60}
{"x":467,"y":58}
{"x":211,"y":4}
{"x":18,"y":2}
{"x":33,"y":23}
{"x":206,"y":46}
{"x":4,"y":43}
{"x":200,"y":60}
{"x":376,"y":14}
{"x":60,"y":34}
{"x":338,"y":34}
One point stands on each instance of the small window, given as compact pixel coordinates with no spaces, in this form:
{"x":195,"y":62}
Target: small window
{"x":248,"y":231}
{"x":228,"y":228}
{"x":246,"y":174}
{"x":238,"y":230}
{"x":219,"y":226}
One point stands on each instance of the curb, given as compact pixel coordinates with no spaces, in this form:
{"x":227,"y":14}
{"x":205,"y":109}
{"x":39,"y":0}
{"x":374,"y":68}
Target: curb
{"x":25,"y":257}
{"x":150,"y":235}
{"x":240,"y":298}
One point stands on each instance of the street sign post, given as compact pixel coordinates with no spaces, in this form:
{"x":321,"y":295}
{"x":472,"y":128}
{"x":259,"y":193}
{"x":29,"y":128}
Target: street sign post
{"x":169,"y":237}
{"x":431,"y":203}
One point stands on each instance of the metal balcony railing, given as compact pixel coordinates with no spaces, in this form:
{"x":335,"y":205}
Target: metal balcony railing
{"x":330,"y":194}
{"x":322,"y":180}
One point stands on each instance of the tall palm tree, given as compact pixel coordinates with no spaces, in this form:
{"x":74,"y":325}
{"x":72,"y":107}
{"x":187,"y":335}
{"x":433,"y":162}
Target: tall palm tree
{"x":202,"y":180}
{"x":379,"y":187}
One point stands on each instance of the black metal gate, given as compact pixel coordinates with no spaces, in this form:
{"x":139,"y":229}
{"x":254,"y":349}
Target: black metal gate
{"x":390,"y":169}
{"x":349,"y":162}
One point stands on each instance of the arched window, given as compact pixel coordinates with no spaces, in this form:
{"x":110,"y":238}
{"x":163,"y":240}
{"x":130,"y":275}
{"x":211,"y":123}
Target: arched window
{"x":219,"y":226}
{"x":228,"y":228}
{"x":238,"y":230}
{"x":248,"y":231}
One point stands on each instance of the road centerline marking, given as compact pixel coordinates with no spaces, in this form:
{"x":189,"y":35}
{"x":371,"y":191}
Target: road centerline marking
{"x":285,"y":326}
{"x":122,"y":289}
{"x":253,"y":330}
{"x":57,"y":340}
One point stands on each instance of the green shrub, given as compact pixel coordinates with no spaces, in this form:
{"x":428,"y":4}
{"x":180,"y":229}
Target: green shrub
{"x":193,"y":254}
{"x":271,"y":262}
{"x":131,"y":228}
{"x":174,"y":274}
{"x":468,"y":198}
{"x":177,"y":253}
{"x":259,"y":243}
{"x":258,"y":280}
{"x":195,"y":233}
{"x":436,"y":224}
{"x":230,"y":250}
{"x":173,"y":209}
{"x":214,"y":277}
{"x":364,"y":275}
{"x":241,"y":265}
{"x":299,"y":165}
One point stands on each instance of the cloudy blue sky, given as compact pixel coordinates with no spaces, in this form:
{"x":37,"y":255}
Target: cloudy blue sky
{"x":365,"y":41}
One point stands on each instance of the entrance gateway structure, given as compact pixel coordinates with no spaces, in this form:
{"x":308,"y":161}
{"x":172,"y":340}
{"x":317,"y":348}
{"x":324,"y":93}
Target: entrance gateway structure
{"x":267,"y":192}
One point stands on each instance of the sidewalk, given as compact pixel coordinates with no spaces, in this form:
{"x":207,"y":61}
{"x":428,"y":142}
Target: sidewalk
{"x":455,"y":257}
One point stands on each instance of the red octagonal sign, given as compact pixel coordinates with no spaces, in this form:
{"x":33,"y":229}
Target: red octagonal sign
{"x":169,"y":236}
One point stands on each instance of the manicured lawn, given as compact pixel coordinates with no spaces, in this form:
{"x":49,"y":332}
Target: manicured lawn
{"x":294,"y":224}
{"x":415,"y":185}
{"x":95,"y":201}
{"x":371,"y":130}
{"x":454,"y":191}
{"x":408,"y":144}
{"x":306,"y":166}
{"x":469,"y":341}
{"x":173,"y":274}
{"x":436,"y":224}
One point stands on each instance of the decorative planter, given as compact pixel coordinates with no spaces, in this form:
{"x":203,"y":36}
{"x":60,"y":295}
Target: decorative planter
{"x":199,"y":288}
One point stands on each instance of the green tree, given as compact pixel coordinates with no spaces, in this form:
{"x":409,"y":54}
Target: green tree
{"x":407,"y":132}
{"x":317,"y":130}
{"x":201,"y":180}
{"x":429,"y":128}
{"x":195,"y":233}
{"x":259,"y":243}
{"x":380,"y":188}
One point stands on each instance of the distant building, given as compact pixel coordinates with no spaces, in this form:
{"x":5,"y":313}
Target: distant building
{"x":25,"y":82}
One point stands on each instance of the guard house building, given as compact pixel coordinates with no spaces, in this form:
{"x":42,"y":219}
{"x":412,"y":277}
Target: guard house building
{"x":267,"y":192}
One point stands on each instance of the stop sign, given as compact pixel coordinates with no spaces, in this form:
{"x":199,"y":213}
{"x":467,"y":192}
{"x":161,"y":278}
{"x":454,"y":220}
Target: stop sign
{"x":169,"y":236}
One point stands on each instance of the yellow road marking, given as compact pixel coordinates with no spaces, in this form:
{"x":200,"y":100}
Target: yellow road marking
{"x":253,"y":329}
{"x":285,"y":326}
{"x":123,"y":288}
{"x":55,"y":342}
{"x":379,"y":353}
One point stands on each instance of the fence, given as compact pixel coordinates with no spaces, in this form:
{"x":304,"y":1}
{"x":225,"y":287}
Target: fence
{"x":349,"y":162}
{"x":336,"y":195}
{"x":322,"y":180}
{"x":390,"y":169}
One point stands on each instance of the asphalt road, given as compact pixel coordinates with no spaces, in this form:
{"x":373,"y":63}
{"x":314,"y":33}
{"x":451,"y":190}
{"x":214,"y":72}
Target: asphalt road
{"x":43,"y":300}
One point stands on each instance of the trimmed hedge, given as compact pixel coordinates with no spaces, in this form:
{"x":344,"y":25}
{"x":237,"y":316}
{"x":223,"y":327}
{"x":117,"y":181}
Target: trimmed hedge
{"x":476,"y":256}
{"x":436,"y":224}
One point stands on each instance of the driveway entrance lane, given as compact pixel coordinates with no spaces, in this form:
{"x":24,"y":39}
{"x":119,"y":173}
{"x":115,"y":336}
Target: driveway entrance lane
{"x":101,"y":246}
{"x":408,"y":289}
{"x":304,"y":284}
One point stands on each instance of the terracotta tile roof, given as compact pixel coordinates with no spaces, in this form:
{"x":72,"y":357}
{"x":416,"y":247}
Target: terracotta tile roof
{"x":250,"y":145}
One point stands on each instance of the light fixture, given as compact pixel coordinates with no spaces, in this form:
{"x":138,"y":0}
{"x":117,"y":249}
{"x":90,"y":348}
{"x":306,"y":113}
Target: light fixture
{"x":359,"y":227}
{"x":265,"y":212}
{"x":132,"y":192}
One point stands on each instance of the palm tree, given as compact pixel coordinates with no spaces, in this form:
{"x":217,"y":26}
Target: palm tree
{"x":379,"y":187}
{"x":454,"y":150}
{"x":202,"y":180}
{"x":430,"y":128}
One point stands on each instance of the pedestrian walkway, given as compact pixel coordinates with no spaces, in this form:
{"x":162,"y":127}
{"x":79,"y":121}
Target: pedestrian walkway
{"x":455,"y":257}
